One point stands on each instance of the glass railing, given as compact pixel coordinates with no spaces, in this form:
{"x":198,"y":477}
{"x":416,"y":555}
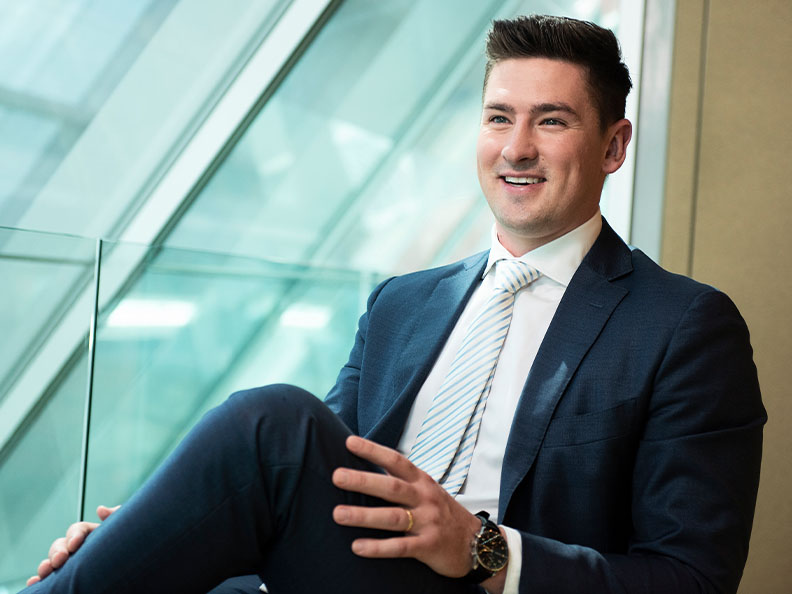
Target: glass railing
{"x":176,"y":332}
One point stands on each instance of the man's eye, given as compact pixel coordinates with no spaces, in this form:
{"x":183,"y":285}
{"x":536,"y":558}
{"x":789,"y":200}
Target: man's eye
{"x":499,"y":119}
{"x":552,"y":122}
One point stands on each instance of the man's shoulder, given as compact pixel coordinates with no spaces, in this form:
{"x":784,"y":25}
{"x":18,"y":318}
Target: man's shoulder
{"x":652,"y":276}
{"x":429,"y":276}
{"x":672,"y":294}
{"x":405,"y":290}
{"x":612,"y":259}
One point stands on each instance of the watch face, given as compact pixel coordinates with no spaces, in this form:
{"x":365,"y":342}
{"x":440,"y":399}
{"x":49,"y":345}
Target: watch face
{"x":492,"y":550}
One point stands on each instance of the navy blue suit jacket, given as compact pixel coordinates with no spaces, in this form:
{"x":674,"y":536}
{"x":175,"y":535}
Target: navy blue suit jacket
{"x":633,"y":457}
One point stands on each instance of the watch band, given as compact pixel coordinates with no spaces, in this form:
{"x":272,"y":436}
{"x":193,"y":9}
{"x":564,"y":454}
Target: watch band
{"x":487,"y":539}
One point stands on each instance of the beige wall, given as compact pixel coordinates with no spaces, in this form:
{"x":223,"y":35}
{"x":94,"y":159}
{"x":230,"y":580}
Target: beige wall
{"x":728,"y":217}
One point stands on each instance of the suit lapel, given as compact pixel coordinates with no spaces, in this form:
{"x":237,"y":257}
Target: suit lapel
{"x":434,"y":323}
{"x":584,"y":310}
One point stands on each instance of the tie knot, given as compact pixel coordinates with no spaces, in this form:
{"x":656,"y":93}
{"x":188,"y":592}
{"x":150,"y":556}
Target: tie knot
{"x":513,"y":275}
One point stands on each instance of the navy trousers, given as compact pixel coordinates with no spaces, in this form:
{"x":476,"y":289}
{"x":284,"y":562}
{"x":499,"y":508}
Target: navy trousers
{"x":248,"y":492}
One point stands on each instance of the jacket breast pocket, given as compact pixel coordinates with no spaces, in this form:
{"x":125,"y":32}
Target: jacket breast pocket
{"x":611,"y":423}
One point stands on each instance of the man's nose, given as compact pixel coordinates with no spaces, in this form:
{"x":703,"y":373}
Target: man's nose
{"x":520,"y":146}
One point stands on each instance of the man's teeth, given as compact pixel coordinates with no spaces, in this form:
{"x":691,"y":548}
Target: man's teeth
{"x":523,"y":180}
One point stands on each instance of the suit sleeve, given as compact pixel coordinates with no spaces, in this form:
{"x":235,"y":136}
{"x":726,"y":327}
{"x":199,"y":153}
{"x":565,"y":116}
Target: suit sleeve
{"x":343,"y":396}
{"x":695,"y":474}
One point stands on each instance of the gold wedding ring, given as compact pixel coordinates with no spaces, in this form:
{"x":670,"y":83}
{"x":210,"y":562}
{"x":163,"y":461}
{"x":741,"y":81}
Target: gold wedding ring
{"x":410,"y":518}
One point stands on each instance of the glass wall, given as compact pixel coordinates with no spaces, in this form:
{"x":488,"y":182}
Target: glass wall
{"x":194,"y":327}
{"x":183,"y":330}
{"x":95,"y":97}
{"x":365,"y":154}
{"x":40,"y":438}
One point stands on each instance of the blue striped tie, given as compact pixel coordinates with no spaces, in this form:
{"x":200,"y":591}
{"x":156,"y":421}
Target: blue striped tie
{"x":444,"y":445}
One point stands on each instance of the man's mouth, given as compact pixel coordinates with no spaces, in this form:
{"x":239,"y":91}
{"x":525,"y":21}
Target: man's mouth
{"x":523,"y":181}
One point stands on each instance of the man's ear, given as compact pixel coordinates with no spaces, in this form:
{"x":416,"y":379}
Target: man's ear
{"x":619,"y":135}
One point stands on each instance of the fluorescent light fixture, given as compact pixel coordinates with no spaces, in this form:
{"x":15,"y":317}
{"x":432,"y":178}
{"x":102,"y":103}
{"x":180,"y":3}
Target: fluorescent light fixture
{"x":305,"y":316}
{"x":151,"y":313}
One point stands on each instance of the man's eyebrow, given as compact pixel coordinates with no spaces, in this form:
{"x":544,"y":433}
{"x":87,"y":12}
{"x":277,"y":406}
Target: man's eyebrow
{"x":551,"y":107}
{"x":536,"y":110}
{"x":504,"y":107}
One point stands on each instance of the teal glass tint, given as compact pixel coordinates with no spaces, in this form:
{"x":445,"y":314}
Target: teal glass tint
{"x":365,"y":154}
{"x":333,"y":127}
{"x":193,"y":327}
{"x":97,"y":99}
{"x":42,"y":275}
{"x":42,"y":394}
{"x":59,"y":63}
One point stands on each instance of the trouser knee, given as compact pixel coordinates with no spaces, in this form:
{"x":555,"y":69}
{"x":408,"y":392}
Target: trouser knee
{"x":278,"y":400}
{"x":284,"y":422}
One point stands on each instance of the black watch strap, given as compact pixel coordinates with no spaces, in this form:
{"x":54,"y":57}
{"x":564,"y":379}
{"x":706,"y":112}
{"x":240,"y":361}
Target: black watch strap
{"x":490,"y":530}
{"x":478,"y":575}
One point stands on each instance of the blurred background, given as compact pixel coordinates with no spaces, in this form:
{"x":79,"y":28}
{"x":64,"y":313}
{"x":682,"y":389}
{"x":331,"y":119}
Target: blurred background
{"x":197,"y":197}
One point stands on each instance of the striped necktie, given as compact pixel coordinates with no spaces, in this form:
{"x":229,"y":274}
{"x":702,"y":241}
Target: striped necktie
{"x":444,"y":445}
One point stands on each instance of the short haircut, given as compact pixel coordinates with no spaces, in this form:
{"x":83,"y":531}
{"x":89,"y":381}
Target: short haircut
{"x":561,"y":38}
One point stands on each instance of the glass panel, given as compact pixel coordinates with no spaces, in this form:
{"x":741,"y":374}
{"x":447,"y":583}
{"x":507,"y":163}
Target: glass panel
{"x":110,"y":91}
{"x":40,"y":440}
{"x":59,"y":62}
{"x":40,"y":268}
{"x":194,"y":327}
{"x":365,"y":154}
{"x":332,"y":127}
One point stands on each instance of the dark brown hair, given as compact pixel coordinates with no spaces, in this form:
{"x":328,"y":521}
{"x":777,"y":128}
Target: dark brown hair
{"x":562,"y":38}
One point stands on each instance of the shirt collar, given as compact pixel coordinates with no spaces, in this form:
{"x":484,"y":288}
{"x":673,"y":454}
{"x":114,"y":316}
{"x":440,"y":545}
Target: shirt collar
{"x":558,"y":259}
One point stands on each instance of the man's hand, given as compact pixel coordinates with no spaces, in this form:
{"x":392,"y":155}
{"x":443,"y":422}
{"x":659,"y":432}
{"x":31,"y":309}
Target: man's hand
{"x":61,"y":548}
{"x":442,"y":530}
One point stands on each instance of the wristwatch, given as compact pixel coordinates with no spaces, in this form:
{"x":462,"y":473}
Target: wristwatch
{"x":489,"y":550}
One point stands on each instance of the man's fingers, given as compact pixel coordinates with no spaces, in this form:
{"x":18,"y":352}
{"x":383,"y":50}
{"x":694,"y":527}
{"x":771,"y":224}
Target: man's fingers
{"x":390,"y":548}
{"x":392,"y":461}
{"x":76,"y":533}
{"x":32,"y":580}
{"x":44,"y":569}
{"x":375,"y":484}
{"x":379,"y":518}
{"x":62,"y":547}
{"x":58,"y":552}
{"x":105,"y":512}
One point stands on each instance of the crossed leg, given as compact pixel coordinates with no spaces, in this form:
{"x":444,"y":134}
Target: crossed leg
{"x":248,"y":491}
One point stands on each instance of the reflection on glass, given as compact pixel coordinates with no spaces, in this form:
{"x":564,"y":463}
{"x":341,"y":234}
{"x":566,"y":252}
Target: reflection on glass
{"x":333,"y":127}
{"x":364,"y":156}
{"x":97,"y":97}
{"x":59,"y":62}
{"x":192,"y":328}
{"x":37,"y":269}
{"x":41,"y":417}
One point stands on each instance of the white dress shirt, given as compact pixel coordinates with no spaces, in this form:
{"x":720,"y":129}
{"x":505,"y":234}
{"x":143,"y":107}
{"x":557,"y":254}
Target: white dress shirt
{"x":534,"y":307}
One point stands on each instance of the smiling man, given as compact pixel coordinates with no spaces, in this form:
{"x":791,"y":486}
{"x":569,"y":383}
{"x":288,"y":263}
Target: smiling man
{"x":555,"y":415}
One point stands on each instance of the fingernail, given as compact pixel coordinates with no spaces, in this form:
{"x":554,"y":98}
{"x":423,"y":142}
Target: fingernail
{"x":357,"y":547}
{"x":341,"y":477}
{"x":342,"y":514}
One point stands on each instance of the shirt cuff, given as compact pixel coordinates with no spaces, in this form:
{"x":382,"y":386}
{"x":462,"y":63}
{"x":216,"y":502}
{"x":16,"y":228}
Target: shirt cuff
{"x":514,"y":568}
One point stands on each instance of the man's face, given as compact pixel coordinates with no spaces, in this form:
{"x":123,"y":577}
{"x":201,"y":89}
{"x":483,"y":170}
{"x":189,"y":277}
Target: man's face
{"x":542,"y":156}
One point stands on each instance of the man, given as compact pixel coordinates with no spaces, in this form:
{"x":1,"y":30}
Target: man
{"x":632,"y":456}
